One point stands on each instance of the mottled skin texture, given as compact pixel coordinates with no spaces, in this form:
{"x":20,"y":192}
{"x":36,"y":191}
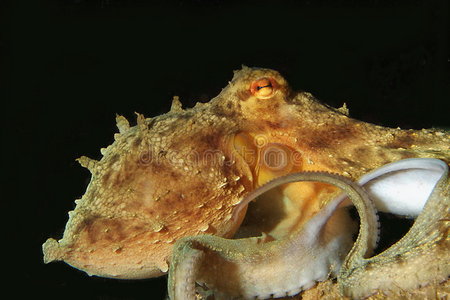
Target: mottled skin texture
{"x":184,"y":173}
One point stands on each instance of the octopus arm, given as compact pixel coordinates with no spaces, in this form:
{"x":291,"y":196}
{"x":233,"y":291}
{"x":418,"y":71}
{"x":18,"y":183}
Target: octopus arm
{"x":255,"y":268}
{"x":424,"y":247}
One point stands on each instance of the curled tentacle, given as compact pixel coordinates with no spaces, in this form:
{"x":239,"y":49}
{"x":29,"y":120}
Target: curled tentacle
{"x":276,"y":268}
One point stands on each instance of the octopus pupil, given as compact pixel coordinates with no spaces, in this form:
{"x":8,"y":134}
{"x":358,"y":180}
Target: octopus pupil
{"x":261,"y":87}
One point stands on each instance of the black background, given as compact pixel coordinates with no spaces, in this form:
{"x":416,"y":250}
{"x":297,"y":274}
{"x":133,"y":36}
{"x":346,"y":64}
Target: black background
{"x":69,"y":66}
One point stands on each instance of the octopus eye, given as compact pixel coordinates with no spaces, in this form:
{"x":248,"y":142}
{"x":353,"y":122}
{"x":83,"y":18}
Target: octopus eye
{"x":263,"y":88}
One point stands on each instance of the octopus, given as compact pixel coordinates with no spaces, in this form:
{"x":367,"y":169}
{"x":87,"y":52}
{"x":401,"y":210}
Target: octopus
{"x":248,"y":196}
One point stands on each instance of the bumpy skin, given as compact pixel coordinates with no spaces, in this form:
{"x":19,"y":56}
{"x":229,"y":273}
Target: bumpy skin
{"x":185,"y":172}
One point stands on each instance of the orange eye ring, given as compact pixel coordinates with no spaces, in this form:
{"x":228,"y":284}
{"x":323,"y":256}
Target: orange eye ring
{"x":263,"y":88}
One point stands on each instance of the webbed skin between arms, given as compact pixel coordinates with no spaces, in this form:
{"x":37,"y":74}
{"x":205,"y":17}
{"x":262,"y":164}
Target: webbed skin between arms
{"x":184,"y":173}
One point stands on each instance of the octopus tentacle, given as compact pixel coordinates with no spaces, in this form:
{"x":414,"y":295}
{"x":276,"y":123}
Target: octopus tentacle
{"x":250,"y":263}
{"x":368,"y":233}
{"x":424,"y":247}
{"x":185,"y":272}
